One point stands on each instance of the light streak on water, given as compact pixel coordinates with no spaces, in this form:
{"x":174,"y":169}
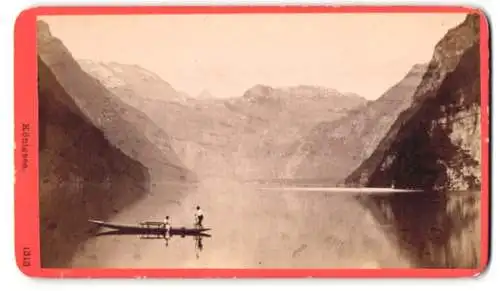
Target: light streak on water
{"x":340,"y":189}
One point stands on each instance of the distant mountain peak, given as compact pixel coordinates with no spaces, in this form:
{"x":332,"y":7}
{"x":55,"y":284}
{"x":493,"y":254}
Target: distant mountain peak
{"x":319,"y":92}
{"x":258,"y":91}
{"x":145,"y":83}
{"x":420,"y":67}
{"x":205,"y":94}
{"x":417,"y":70}
{"x":353,"y":95}
{"x":264,"y":92}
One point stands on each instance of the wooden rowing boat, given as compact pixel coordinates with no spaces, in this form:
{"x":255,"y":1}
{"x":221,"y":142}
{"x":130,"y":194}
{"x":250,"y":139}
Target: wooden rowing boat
{"x":150,"y":227}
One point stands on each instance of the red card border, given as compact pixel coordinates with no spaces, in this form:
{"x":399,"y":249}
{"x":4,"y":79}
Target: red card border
{"x":26,"y":205}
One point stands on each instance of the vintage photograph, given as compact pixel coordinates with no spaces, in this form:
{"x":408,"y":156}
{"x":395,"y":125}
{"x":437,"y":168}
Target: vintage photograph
{"x":314,"y":140}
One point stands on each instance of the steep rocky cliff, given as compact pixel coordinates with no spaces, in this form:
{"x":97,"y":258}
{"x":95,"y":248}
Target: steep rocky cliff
{"x":81,"y":174}
{"x":435,"y":146}
{"x":127,"y":128}
{"x":97,"y":154}
{"x":334,"y":148}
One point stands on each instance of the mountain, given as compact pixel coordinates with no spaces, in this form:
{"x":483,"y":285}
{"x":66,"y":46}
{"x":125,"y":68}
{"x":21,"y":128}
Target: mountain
{"x":236,"y":134}
{"x":285,"y":115}
{"x":435,"y":145}
{"x":441,"y":127}
{"x":125,"y":127}
{"x":199,"y":129}
{"x":204,"y":95}
{"x":334,"y":148}
{"x":121,"y":77}
{"x":82,"y":175}
{"x":171,"y":110}
{"x":98,"y":155}
{"x":291,"y":99}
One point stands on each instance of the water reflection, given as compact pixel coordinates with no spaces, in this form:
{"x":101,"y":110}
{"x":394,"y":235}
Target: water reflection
{"x":438,"y":229}
{"x":326,"y":229}
{"x":145,"y":234}
{"x":198,"y":245}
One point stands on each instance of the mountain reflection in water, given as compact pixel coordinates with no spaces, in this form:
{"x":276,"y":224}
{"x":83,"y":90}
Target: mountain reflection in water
{"x":253,"y":228}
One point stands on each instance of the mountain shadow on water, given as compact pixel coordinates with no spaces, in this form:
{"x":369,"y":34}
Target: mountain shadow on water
{"x":430,"y":227}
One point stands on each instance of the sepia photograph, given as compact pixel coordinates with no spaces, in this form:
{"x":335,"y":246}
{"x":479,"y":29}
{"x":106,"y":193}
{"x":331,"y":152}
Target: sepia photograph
{"x":260,"y":141}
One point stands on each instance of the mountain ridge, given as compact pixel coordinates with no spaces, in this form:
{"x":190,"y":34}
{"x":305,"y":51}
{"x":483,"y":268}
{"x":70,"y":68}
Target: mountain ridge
{"x":334,"y":148}
{"x":128,"y":129}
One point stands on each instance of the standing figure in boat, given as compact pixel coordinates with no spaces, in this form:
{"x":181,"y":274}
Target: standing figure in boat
{"x":198,"y":217}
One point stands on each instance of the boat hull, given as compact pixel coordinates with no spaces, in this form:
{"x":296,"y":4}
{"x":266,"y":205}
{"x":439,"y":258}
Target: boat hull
{"x":149,"y":228}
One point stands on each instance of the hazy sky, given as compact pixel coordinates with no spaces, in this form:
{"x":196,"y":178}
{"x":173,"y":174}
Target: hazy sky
{"x":227,"y":54}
